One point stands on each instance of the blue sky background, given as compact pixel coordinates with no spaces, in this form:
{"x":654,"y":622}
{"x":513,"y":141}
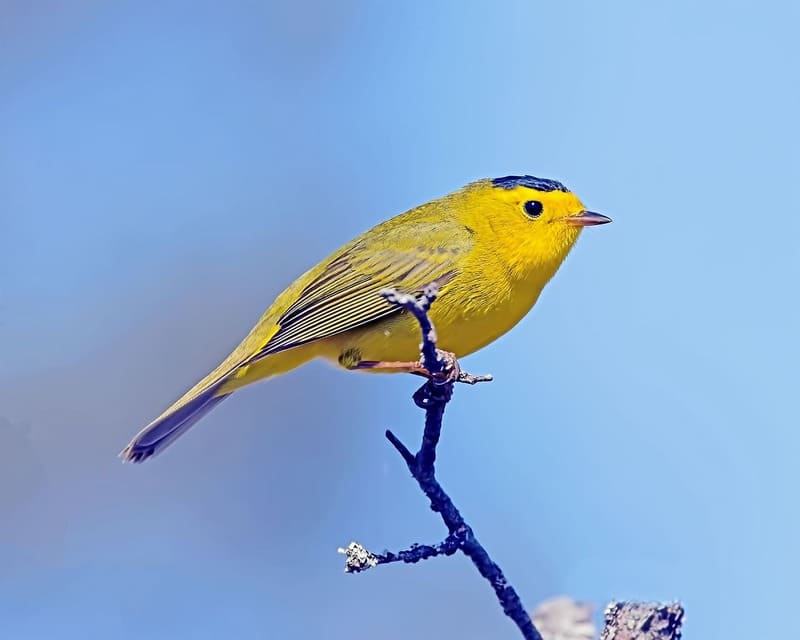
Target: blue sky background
{"x":166,"y":171}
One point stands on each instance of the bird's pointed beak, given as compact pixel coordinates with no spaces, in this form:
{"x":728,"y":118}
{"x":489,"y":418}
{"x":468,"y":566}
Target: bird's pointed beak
{"x":586,"y":219}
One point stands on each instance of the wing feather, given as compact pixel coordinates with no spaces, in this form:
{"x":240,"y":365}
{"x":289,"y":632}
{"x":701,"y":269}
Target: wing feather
{"x":345,"y":295}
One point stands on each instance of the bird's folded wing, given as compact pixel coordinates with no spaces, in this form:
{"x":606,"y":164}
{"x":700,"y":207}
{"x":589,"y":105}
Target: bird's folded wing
{"x":346,"y":294}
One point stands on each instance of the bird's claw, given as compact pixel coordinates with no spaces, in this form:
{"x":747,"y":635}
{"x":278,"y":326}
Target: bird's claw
{"x":451,"y":370}
{"x":440,"y":385}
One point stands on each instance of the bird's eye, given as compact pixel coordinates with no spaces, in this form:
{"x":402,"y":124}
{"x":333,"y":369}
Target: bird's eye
{"x":533,"y":208}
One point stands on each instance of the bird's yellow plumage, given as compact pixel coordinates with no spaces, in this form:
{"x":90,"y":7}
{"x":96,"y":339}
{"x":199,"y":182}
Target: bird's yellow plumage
{"x":491,"y":247}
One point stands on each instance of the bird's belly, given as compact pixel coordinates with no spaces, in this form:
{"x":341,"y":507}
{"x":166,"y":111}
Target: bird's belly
{"x":461,"y":330}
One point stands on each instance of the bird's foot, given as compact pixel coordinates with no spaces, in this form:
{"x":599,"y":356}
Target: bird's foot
{"x":451,"y":370}
{"x":393,"y":366}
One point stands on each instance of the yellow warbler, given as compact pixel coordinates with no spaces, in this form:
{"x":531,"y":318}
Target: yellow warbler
{"x":490,"y":247}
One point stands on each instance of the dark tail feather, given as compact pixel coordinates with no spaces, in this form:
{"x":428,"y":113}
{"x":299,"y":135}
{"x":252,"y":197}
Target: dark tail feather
{"x":160,"y":433}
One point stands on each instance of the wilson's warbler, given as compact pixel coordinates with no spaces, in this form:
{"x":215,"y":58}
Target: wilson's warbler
{"x":490,"y":247}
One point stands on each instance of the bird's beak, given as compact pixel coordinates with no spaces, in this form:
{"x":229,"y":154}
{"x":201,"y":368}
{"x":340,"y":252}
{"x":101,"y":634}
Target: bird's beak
{"x":586,"y":219}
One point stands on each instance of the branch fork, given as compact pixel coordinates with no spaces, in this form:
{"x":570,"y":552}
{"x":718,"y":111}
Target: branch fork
{"x":443,"y":372}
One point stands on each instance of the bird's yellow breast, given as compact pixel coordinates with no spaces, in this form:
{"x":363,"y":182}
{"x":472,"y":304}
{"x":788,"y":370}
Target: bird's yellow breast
{"x":467,"y":316}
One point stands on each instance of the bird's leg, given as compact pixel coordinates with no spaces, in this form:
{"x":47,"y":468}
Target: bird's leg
{"x":451,"y":371}
{"x":396,"y":366}
{"x":351,"y":359}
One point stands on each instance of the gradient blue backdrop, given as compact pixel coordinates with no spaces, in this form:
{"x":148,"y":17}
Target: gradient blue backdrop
{"x":164,"y":172}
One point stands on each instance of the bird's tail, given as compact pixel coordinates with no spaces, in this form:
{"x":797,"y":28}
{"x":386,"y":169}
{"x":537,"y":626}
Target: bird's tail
{"x":243,"y":366}
{"x":176,"y":420}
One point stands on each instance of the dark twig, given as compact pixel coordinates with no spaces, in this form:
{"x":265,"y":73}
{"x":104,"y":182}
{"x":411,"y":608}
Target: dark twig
{"x":360,"y":559}
{"x":419,"y":307}
{"x":433,"y":396}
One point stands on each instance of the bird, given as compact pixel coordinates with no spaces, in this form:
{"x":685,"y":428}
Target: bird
{"x":489,"y":247}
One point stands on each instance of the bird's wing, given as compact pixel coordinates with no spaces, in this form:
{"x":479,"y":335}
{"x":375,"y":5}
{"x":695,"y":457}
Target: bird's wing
{"x":345,"y":295}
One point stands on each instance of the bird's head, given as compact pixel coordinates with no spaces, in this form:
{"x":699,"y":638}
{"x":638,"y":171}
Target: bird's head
{"x":532,"y":222}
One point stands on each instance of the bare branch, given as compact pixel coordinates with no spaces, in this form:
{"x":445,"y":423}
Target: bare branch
{"x":433,"y":396}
